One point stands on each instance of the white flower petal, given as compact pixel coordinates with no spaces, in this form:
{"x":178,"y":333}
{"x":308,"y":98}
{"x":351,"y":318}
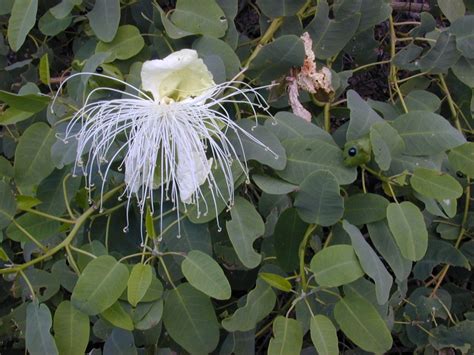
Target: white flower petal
{"x":192,"y":171}
{"x":178,"y":76}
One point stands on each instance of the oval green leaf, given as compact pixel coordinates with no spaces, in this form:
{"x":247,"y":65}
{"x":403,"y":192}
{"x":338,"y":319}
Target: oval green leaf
{"x":435,"y":184}
{"x":190,"y":319}
{"x":462,"y":158}
{"x":408,"y":228}
{"x":365,"y":208}
{"x":100,"y":285}
{"x":259,"y":303}
{"x":22,"y":20}
{"x":117,"y":316}
{"x":427,"y":133}
{"x":203,"y":17}
{"x":324,"y":335}
{"x":318,"y":201}
{"x":7,"y":204}
{"x":287,"y":337}
{"x":138,"y":283}
{"x":276,"y":281}
{"x":336,"y":265}
{"x":205,"y":274}
{"x":305,"y":156}
{"x":33,"y":155}
{"x":38,"y":338}
{"x":362,"y":324}
{"x":126,"y":43}
{"x":71,"y":329}
{"x":105,"y":18}
{"x":370,"y":262}
{"x":286,"y":248}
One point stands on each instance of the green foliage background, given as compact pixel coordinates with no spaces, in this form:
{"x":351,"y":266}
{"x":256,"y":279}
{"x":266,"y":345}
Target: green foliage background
{"x":357,"y":238}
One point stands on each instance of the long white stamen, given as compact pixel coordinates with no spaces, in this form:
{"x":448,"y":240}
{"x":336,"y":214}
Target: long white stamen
{"x":148,"y":134}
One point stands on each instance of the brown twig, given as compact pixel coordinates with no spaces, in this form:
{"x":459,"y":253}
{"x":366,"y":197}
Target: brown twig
{"x":410,"y":6}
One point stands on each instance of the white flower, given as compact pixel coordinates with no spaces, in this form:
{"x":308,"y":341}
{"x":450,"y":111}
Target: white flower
{"x":173,"y":140}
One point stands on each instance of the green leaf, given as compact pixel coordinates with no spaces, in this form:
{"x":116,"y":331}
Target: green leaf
{"x":204,"y":17}
{"x":64,"y":8}
{"x":278,"y":8}
{"x":100,"y":285}
{"x":386,"y":143}
{"x":305,"y":156}
{"x":421,"y":100}
{"x":324,"y":335}
{"x":52,"y":26}
{"x":385,"y":244}
{"x":12,"y":115}
{"x":105,"y":18}
{"x":6,"y":6}
{"x":22,"y":20}
{"x":138,"y":283}
{"x":443,"y":208}
{"x":464,"y":70}
{"x":154,"y":312}
{"x":335,"y":266}
{"x":365,"y":208}
{"x":276,"y":58}
{"x":462,"y":158}
{"x":286,"y":248}
{"x":272,"y":185}
{"x":370,"y":262}
{"x":40,"y":227}
{"x":154,"y":292}
{"x":452,"y":9}
{"x":190,"y":320}
{"x":408,"y":228}
{"x":44,"y":74}
{"x":287,"y":125}
{"x":457,"y":337}
{"x":192,"y":236}
{"x":245,"y":226}
{"x":271,"y":154}
{"x":38,"y":338}
{"x":71,"y":329}
{"x":50,"y":191}
{"x":435,"y":184}
{"x":463,"y":29}
{"x":116,"y":316}
{"x":7,"y":205}
{"x":427,"y":133}
{"x":362,"y":324}
{"x":318,"y":201}
{"x":330,"y":35}
{"x":372,"y":13}
{"x":259,"y":303}
{"x":276,"y":281}
{"x":209,"y":46}
{"x":442,"y":56}
{"x":171,"y":29}
{"x":205,"y":274}
{"x":120,"y":342}
{"x":44,"y":284}
{"x":6,"y":169}
{"x":439,"y":252}
{"x":27,"y":103}
{"x":362,"y":116}
{"x":33,"y":155}
{"x":127,"y":43}
{"x":287,"y":337}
